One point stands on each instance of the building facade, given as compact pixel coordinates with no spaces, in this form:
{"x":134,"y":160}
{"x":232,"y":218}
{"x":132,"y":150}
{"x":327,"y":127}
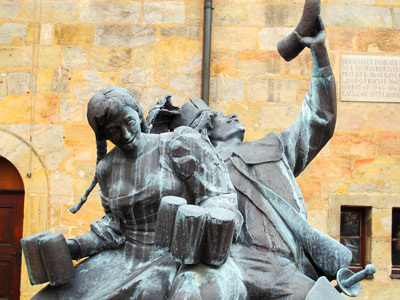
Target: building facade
{"x":55,"y":54}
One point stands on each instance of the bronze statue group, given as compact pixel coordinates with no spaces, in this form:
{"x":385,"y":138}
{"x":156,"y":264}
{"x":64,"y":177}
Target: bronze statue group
{"x":198,"y":154}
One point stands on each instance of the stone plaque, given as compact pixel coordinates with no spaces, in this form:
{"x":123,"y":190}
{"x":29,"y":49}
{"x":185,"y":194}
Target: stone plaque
{"x":370,"y":78}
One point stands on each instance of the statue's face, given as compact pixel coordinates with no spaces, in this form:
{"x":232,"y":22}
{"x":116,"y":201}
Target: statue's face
{"x":123,"y":131}
{"x":225,"y":128}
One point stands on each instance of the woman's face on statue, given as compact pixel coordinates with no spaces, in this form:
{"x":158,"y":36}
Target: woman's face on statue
{"x":124,"y":130}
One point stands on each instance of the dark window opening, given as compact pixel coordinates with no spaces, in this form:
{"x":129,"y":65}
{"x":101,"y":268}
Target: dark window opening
{"x":396,"y":243}
{"x":353,"y":234}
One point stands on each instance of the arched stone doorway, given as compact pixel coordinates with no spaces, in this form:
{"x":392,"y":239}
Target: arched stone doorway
{"x":36,"y":192}
{"x":11,"y":220}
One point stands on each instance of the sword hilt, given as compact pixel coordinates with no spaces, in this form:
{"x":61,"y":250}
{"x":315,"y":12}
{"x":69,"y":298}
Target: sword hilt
{"x":349,"y":283}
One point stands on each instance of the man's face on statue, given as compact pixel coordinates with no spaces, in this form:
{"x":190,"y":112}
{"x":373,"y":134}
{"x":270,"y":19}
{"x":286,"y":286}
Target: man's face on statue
{"x":123,"y":131}
{"x":226,"y":127}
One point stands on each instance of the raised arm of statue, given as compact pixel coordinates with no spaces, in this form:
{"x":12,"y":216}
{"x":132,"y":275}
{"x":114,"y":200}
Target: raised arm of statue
{"x":316,"y":121}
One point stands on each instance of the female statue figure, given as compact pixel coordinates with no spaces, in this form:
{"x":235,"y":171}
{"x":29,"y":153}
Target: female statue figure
{"x":124,"y":262}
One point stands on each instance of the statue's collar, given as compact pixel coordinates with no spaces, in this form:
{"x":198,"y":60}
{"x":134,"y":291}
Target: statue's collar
{"x":267,"y":149}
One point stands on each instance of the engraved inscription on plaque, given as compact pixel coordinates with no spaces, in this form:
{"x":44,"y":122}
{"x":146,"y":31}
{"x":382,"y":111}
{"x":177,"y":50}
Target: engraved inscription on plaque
{"x":370,"y":78}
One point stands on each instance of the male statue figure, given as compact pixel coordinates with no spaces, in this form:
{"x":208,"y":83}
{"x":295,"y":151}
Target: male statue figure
{"x":278,"y":253}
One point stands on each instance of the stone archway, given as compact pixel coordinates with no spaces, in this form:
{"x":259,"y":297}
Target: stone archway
{"x":20,"y":153}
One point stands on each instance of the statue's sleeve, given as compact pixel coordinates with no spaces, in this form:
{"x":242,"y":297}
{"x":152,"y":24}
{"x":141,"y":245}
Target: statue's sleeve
{"x":108,"y":229}
{"x":315,"y":123}
{"x":206,"y":177}
{"x":104,"y":234}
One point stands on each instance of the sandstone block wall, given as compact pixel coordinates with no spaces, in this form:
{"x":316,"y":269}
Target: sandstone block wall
{"x":55,"y":54}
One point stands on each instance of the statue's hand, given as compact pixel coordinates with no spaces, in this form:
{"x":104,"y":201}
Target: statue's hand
{"x":74,"y":249}
{"x":317,"y":39}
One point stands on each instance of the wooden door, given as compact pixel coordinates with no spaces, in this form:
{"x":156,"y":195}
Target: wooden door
{"x":11,"y":218}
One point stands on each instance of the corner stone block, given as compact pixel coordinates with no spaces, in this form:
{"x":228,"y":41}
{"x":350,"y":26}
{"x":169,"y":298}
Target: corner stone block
{"x":18,"y":83}
{"x":49,"y":136}
{"x":35,"y":210}
{"x":287,"y":15}
{"x":379,"y":169}
{"x":396,"y":18}
{"x":10,"y":9}
{"x":347,"y":122}
{"x":384,"y":118}
{"x":74,"y":34}
{"x":91,"y":211}
{"x":54,"y":157}
{"x":9,"y":31}
{"x":381,"y":223}
{"x":151,"y":96}
{"x":124,"y":35}
{"x":229,"y":13}
{"x":71,"y":111}
{"x":216,"y":87}
{"x":3,"y":85}
{"x":268,"y":38}
{"x":391,"y":189}
{"x":389,"y":143}
{"x":109,"y":11}
{"x":109,"y":59}
{"x":52,"y":10}
{"x":356,"y":16}
{"x":278,"y":116}
{"x":234,"y":89}
{"x":271,"y":90}
{"x":74,"y":57}
{"x":78,"y":135}
{"x":49,"y":56}
{"x":378,"y":247}
{"x":15,"y":109}
{"x":143,"y":57}
{"x":258,"y":63}
{"x":234,"y":37}
{"x":186,"y":84}
{"x":164,"y":12}
{"x":61,"y":184}
{"x":176,"y":56}
{"x":340,"y":39}
{"x":186,"y":32}
{"x":46,"y":34}
{"x":301,"y":66}
{"x":137,"y":76}
{"x":357,"y":187}
{"x":382,"y":40}
{"x":16,"y":57}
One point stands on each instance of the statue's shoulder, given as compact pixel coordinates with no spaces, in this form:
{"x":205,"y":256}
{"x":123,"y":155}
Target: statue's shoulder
{"x":187,"y":141}
{"x":267,"y":149}
{"x":107,"y":161}
{"x":187,"y":135}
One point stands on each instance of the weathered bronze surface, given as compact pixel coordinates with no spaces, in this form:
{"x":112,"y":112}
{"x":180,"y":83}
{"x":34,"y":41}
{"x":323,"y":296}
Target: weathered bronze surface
{"x":278,"y":254}
{"x":125,"y":262}
{"x":192,"y":212}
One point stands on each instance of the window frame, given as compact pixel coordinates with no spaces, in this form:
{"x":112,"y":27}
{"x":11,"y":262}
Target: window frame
{"x":362,"y":210}
{"x":395,"y":273}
